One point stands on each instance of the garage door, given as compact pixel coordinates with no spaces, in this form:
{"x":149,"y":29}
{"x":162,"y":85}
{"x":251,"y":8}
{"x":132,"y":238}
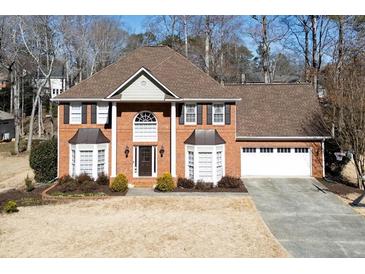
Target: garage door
{"x":275,"y":162}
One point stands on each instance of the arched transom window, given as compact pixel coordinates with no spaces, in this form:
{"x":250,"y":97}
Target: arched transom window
{"x":145,"y":127}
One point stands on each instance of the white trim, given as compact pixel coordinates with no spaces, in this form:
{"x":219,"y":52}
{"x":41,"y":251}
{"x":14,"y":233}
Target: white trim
{"x":94,"y":148}
{"x":142,"y":69}
{"x":224,"y":114}
{"x":323,"y":162}
{"x":98,"y":106}
{"x":282,"y":137}
{"x":130,"y":100}
{"x":136,"y":161}
{"x":58,"y":141}
{"x":74,"y":106}
{"x":114,"y":140}
{"x":173,"y":139}
{"x":195,"y":111}
{"x":204,"y":148}
{"x":144,"y":140}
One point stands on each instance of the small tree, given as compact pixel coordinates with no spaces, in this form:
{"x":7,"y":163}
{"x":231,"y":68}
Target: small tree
{"x":346,"y":93}
{"x":43,"y":160}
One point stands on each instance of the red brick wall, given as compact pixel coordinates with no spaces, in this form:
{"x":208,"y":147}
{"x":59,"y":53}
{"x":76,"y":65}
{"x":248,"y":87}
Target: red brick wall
{"x":125,"y":115}
{"x":67,"y":131}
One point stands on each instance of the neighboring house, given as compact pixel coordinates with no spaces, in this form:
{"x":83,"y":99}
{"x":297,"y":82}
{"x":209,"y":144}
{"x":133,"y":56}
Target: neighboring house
{"x":7,"y":126}
{"x":4,"y":79}
{"x":57,"y":83}
{"x":154,"y":111}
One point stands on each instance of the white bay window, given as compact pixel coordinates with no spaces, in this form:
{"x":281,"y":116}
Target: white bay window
{"x":205,"y":162}
{"x":88,"y":158}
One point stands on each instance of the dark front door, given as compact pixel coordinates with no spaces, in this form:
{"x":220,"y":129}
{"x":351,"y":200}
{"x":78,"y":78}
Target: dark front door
{"x":145,"y":161}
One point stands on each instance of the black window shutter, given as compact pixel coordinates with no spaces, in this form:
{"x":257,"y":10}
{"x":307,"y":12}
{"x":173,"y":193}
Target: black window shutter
{"x":199,"y":110}
{"x":110,"y":114}
{"x":227,"y":114}
{"x":93,"y":113}
{"x":181,"y":119}
{"x":209,"y":114}
{"x":66,"y":113}
{"x":84,"y":113}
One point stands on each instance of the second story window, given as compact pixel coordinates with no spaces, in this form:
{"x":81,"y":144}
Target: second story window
{"x":75,"y":113}
{"x":145,"y":127}
{"x":190,"y":114}
{"x":218,"y":114}
{"x":102,"y":113}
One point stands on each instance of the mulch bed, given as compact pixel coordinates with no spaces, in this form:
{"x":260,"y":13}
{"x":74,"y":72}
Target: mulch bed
{"x":214,"y":189}
{"x":340,"y":188}
{"x":100,"y":190}
{"x":24,"y":198}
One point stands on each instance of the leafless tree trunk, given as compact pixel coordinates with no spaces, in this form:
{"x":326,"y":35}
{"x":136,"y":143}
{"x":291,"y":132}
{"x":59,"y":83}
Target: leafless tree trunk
{"x":265,"y":50}
{"x":314,"y":52}
{"x":185,"y":22}
{"x":16,"y":110}
{"x":208,"y":37}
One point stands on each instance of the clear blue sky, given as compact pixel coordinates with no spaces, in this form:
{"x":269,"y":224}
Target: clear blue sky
{"x":134,"y":23}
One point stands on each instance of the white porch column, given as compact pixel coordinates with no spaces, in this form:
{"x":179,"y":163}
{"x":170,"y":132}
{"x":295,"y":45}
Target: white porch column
{"x":173,"y":139}
{"x":114,"y":140}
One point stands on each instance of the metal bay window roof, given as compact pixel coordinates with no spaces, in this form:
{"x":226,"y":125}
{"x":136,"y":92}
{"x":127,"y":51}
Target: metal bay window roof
{"x":201,"y":137}
{"x":89,"y":136}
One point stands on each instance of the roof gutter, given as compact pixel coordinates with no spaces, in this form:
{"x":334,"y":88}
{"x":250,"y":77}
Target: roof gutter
{"x":279,"y":138}
{"x":131,"y":101}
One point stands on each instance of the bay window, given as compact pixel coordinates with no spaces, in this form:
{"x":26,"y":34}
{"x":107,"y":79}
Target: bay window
{"x":88,"y":158}
{"x":205,"y":162}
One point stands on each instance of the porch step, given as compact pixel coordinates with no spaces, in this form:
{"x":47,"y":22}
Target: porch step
{"x":143,"y":183}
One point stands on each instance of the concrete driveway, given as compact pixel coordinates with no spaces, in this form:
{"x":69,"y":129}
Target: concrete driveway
{"x":306,"y":221}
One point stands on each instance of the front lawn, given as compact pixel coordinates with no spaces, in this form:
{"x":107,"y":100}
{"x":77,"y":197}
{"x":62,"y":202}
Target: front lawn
{"x":139,"y":227}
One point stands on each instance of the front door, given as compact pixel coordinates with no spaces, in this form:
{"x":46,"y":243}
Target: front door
{"x":145,"y":161}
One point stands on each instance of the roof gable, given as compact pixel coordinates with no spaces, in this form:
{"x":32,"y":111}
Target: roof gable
{"x":142,"y":86}
{"x":177,"y":73}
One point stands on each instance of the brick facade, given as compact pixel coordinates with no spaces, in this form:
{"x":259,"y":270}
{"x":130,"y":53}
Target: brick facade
{"x":125,"y":116}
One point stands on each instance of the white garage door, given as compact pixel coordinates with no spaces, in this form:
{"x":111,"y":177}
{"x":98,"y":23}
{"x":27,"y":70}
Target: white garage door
{"x":275,"y":162}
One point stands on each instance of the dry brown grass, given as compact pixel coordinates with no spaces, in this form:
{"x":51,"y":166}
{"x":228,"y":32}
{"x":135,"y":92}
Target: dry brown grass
{"x":140,"y":227}
{"x":13,"y":170}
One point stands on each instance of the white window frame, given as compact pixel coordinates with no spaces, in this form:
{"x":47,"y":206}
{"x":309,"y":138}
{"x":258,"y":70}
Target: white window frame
{"x":75,"y":108}
{"x":100,"y":109}
{"x":213,"y":149}
{"x":213,"y":112}
{"x":95,"y":148}
{"x":144,"y":139}
{"x":136,"y":162}
{"x":195,"y":113}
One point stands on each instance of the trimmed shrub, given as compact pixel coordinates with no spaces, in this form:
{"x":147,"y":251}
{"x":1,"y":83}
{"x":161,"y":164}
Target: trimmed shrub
{"x":43,"y":160}
{"x":185,"y":183}
{"x":83,"y":177}
{"x":67,"y":184}
{"x":201,"y":185}
{"x":119,"y":184}
{"x":88,"y":186}
{"x":165,"y":183}
{"x":102,"y":179}
{"x":230,"y":182}
{"x":10,"y":207}
{"x":28,"y":184}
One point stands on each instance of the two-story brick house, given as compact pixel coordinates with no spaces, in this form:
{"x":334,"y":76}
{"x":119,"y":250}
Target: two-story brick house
{"x":154,"y":111}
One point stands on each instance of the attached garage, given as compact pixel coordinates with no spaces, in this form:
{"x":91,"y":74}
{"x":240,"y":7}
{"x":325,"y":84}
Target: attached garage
{"x":270,"y":161}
